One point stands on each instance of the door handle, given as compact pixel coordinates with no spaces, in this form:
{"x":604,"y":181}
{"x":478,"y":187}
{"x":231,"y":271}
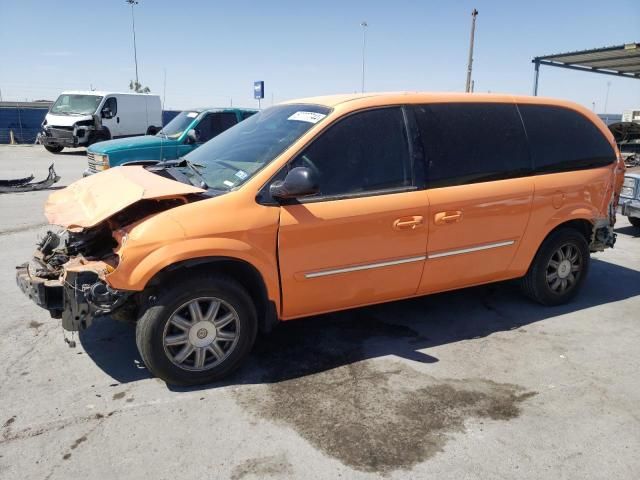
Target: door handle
{"x":443,"y":218}
{"x":118,"y":119}
{"x":407,"y":223}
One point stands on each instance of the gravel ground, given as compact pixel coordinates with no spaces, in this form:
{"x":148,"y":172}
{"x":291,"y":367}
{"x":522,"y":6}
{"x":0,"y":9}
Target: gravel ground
{"x":478,"y":383}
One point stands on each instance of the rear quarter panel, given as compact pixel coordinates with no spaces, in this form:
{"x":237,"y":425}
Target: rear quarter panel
{"x":559,"y":198}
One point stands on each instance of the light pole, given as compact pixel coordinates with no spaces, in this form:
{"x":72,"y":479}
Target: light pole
{"x":474,"y":14}
{"x":133,"y":27}
{"x":364,"y":26}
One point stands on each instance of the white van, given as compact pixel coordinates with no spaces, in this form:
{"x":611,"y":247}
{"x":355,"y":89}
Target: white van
{"x":80,"y":118}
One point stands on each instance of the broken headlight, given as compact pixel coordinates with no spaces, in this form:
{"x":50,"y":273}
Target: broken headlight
{"x":628,"y":187}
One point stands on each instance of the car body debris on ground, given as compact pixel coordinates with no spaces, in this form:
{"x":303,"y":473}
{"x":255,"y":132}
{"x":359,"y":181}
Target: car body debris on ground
{"x":479,"y":383}
{"x":26,"y":184}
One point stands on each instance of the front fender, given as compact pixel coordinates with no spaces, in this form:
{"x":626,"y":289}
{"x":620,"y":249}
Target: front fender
{"x":137,"y":278}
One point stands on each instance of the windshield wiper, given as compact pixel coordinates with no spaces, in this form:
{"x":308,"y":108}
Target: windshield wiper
{"x":183,"y":162}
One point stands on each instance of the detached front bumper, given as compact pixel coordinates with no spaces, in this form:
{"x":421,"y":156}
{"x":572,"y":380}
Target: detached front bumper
{"x":629,"y":207}
{"x":77,"y":300}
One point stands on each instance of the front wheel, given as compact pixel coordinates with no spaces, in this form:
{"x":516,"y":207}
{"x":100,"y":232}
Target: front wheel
{"x":53,"y":148}
{"x":197,"y":331}
{"x":559,"y":268}
{"x":635,"y":221}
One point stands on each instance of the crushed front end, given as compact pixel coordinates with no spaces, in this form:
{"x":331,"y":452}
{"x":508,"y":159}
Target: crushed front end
{"x":72,"y":136}
{"x":72,"y":270}
{"x":66,"y":276}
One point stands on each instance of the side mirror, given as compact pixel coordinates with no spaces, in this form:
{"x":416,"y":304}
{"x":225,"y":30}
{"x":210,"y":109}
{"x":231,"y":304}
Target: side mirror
{"x":106,"y":113}
{"x":299,"y":182}
{"x":192,"y":136}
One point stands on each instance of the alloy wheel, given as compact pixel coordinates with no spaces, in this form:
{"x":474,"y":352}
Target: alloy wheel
{"x":201,"y":333}
{"x":564,"y":268}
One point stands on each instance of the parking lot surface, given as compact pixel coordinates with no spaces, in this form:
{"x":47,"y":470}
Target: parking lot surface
{"x":479,"y":383}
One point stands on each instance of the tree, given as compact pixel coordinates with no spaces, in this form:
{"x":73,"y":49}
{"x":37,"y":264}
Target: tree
{"x":137,"y":87}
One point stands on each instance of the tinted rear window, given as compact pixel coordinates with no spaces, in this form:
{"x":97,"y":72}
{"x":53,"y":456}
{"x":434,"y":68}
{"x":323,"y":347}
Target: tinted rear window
{"x":561,"y":139}
{"x":472,"y":142}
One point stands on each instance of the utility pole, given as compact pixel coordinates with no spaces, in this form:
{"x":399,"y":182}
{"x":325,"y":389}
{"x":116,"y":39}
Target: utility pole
{"x":133,"y":28}
{"x":474,"y":14}
{"x":364,"y":26}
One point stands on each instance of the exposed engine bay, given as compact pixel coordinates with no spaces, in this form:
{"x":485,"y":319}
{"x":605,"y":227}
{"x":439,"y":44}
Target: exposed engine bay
{"x":67,"y":272}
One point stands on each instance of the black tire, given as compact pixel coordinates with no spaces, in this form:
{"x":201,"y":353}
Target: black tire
{"x":53,"y":148}
{"x":539,"y":281}
{"x":635,"y":221}
{"x":153,"y":325}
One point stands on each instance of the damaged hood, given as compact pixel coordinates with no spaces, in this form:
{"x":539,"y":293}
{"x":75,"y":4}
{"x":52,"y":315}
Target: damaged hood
{"x":93,"y":199}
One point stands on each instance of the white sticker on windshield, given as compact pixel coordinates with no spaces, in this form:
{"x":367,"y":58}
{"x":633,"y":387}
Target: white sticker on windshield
{"x":241,"y":174}
{"x":311,"y":117}
{"x":192,"y":114}
{"x":228,"y":183}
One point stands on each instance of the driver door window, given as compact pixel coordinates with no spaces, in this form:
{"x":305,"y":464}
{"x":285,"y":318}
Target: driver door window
{"x":110,"y":108}
{"x":366,"y":152}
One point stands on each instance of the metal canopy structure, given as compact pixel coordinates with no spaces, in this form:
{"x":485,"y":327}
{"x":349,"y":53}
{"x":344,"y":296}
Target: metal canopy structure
{"x":621,"y":61}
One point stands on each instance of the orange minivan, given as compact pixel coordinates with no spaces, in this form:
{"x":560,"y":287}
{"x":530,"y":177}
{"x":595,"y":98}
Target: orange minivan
{"x":324,"y":204}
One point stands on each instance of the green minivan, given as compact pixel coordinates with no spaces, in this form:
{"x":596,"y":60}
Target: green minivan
{"x":184,"y":133}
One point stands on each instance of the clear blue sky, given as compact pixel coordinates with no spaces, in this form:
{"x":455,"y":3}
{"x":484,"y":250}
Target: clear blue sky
{"x":213,"y":50}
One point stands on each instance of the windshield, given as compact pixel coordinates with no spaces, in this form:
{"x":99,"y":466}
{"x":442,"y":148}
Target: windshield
{"x":178,"y":125}
{"x":68,"y":104}
{"x":235,"y":155}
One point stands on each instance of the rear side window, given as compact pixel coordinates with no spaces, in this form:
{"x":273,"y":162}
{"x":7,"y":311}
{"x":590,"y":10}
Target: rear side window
{"x":472,"y":142}
{"x":245,"y":115}
{"x":561,"y":139}
{"x":365,"y":152}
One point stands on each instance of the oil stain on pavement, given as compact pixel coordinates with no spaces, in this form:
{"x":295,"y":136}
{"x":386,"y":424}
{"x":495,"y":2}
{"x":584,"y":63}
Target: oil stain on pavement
{"x":380,"y":416}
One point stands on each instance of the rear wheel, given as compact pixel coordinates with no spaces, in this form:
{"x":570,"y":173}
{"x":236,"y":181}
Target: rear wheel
{"x":53,"y":148}
{"x":197,"y":331}
{"x":635,"y":221}
{"x":559,"y":268}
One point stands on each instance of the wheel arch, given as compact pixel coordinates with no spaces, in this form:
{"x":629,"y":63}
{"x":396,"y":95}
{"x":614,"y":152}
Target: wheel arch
{"x":581,"y":220}
{"x":582,"y":225}
{"x":240,"y":270}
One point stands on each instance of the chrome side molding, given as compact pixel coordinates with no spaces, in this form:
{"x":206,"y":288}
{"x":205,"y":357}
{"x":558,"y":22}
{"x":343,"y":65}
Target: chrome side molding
{"x":460,"y":251}
{"x":368,"y":266}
